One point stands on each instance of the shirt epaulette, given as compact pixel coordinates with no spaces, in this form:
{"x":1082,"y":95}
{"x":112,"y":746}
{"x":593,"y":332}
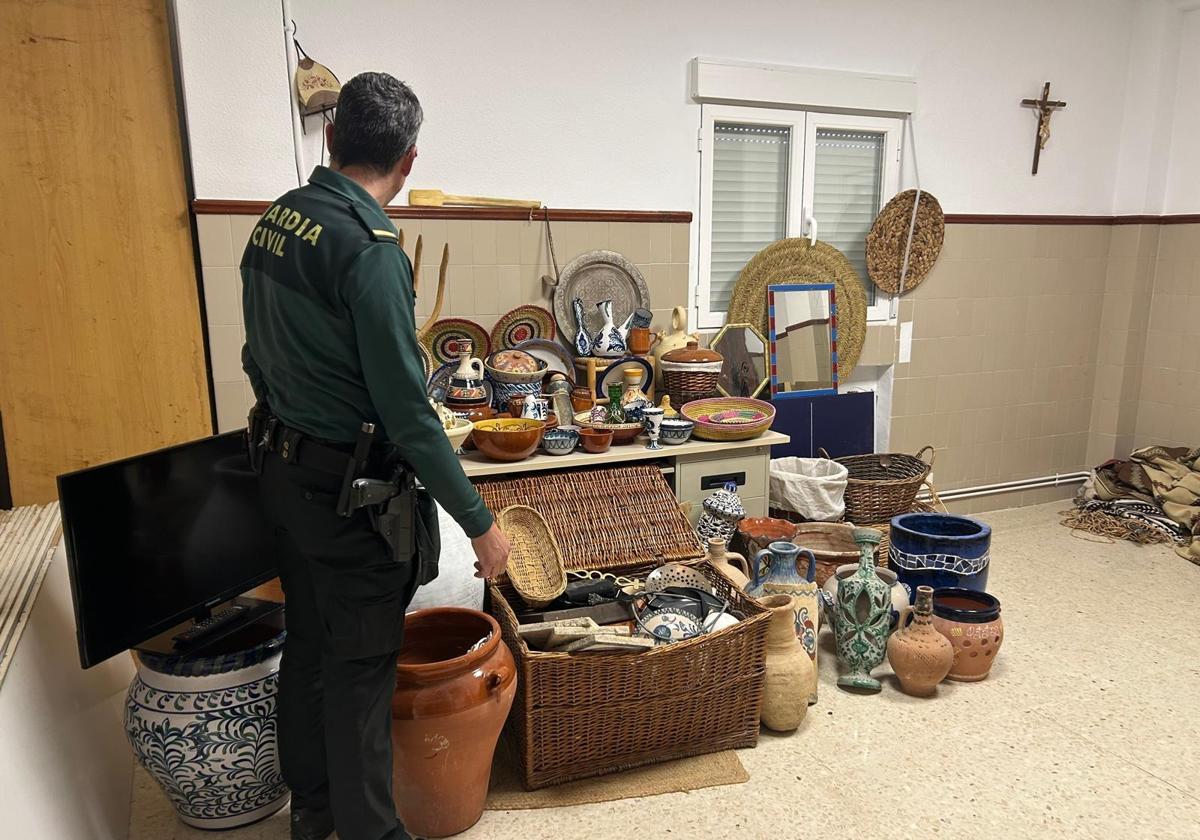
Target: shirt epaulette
{"x":371,"y":225}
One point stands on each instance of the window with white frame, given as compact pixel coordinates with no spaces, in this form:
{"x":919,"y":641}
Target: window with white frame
{"x":768,"y":173}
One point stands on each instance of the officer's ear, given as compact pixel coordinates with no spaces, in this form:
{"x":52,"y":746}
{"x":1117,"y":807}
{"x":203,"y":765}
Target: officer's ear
{"x":329,"y":138}
{"x":406,"y":162}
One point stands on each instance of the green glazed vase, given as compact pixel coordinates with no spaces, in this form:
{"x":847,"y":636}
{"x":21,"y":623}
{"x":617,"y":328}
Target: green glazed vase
{"x":861,"y":617}
{"x":616,"y":414}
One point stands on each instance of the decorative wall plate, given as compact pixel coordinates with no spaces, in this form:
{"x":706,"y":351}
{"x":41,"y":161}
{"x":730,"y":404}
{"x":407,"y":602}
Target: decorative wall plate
{"x":426,"y":360}
{"x":522,"y":324}
{"x":552,"y":353}
{"x":592,"y":277}
{"x":442,"y":339}
{"x":612,"y":374}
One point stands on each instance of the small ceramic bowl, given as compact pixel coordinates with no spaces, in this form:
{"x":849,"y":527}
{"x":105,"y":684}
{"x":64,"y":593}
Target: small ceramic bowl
{"x":459,"y":433}
{"x":508,"y":439}
{"x":595,"y":440}
{"x":675,"y":430}
{"x":560,"y":441}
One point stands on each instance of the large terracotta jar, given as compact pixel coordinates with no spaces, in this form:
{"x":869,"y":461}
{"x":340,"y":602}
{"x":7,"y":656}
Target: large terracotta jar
{"x":455,"y":683}
{"x":918,"y":653}
{"x":791,"y":677}
{"x":971,"y":621}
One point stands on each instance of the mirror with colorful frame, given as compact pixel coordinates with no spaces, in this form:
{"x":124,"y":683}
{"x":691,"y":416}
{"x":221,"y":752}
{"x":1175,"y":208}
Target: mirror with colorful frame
{"x":802,"y":318}
{"x":743,"y":352}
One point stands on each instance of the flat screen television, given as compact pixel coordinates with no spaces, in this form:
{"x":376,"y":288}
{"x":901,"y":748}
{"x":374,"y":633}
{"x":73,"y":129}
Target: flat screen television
{"x":156,"y":541}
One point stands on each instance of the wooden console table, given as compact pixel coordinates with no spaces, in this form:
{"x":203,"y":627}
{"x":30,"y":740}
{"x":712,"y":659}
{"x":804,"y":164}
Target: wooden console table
{"x":697,"y":467}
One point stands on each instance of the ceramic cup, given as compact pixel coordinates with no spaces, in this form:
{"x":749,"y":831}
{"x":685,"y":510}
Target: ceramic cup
{"x":596,"y":440}
{"x":560,"y":441}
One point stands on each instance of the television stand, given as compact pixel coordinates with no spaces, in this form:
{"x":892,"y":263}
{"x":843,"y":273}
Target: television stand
{"x":231,"y":626}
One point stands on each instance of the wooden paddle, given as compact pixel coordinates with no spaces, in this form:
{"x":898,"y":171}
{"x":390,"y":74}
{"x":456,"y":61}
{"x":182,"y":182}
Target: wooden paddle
{"x":437,"y":198}
{"x":416,"y":265}
{"x":441,"y":292}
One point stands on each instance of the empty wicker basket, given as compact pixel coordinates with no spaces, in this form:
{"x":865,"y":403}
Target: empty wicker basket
{"x":535,"y":564}
{"x":882,"y":485}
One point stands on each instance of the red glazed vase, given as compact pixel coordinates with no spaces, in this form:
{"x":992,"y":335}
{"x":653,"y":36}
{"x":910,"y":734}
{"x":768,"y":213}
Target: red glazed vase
{"x":455,"y":684}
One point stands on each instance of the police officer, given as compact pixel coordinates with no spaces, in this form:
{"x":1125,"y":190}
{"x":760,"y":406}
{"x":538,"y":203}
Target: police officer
{"x":331,"y":343}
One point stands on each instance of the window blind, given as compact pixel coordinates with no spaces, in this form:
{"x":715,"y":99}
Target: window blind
{"x":847,"y":176}
{"x":749,"y":199}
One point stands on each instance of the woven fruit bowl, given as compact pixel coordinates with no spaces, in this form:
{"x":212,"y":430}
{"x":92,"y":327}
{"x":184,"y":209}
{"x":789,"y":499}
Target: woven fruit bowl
{"x":729,"y":418}
{"x":622,"y":432}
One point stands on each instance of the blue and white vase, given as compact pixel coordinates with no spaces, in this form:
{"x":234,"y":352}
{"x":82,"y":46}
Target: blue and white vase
{"x":583,"y":341}
{"x":610,"y":340}
{"x":940,"y":550}
{"x":723,"y":510}
{"x":204,"y":728}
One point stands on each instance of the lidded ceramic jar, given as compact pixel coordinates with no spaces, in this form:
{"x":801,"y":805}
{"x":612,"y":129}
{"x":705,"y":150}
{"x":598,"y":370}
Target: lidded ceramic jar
{"x":690,"y":372}
{"x":723,"y":510}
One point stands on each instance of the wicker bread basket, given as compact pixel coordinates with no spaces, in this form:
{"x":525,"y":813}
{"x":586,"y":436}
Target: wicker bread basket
{"x":535,"y":564}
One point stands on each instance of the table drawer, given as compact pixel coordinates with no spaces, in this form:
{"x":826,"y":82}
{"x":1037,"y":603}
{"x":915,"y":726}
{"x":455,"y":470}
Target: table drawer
{"x":699,"y":477}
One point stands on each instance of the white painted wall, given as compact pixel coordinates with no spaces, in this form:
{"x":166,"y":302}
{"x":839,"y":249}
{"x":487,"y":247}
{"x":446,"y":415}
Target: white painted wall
{"x":584,"y":104}
{"x":65,"y":767}
{"x":1183,"y":171}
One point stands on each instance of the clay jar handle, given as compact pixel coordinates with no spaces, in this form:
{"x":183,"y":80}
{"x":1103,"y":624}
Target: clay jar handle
{"x":496,"y":679}
{"x":476,"y":365}
{"x":735,"y":559}
{"x":756,"y":564}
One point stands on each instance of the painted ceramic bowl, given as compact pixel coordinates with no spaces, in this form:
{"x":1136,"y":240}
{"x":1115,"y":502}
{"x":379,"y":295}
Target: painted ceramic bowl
{"x":757,"y":532}
{"x":675,"y":430}
{"x":595,"y":440}
{"x":623,"y":433}
{"x":940,"y":550}
{"x":514,"y":366}
{"x":508,"y":439}
{"x":669,"y":624}
{"x":560,"y":441}
{"x":971,"y":621}
{"x":501,"y":392}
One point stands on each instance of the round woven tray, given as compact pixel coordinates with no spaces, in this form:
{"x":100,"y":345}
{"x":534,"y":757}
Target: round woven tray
{"x":889,"y":233}
{"x":535,"y":563}
{"x":795,"y":260}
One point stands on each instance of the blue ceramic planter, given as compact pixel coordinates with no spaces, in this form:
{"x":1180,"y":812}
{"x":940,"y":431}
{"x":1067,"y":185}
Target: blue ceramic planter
{"x":940,"y":550}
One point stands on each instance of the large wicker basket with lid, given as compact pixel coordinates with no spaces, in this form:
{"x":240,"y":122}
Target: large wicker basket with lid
{"x":586,"y":714}
{"x":690,"y":372}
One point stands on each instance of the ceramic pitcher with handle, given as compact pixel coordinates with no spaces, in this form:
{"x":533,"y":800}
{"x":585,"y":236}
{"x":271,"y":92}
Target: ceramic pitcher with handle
{"x":784,"y":578}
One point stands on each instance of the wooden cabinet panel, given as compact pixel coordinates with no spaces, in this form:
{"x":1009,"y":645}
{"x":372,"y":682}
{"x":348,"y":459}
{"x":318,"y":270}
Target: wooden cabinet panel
{"x":101,"y":351}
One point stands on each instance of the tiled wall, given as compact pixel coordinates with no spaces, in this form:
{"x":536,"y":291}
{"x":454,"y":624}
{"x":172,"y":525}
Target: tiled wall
{"x":1001,"y":374}
{"x":494,"y":267}
{"x":1169,"y":406}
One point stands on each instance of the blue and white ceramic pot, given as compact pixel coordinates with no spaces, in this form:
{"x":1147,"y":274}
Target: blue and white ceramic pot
{"x":204,"y":728}
{"x":940,"y":550}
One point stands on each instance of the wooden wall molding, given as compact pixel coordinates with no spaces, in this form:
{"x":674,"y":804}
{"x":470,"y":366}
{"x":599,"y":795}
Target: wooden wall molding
{"x":240,"y":207}
{"x":237,"y":207}
{"x":1017,"y":219}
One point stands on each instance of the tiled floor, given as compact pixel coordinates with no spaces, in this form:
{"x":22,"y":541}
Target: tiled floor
{"x":1086,"y":728}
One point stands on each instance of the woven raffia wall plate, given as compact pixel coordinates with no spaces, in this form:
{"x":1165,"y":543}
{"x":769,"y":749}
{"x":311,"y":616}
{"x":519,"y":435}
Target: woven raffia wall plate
{"x":796,"y":261}
{"x":886,"y":240}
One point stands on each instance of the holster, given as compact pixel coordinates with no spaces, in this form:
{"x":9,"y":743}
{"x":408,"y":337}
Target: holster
{"x":259,"y":425}
{"x":409,"y":523}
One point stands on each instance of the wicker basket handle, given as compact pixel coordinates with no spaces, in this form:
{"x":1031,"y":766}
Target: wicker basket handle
{"x":824,"y":453}
{"x":932,"y":454}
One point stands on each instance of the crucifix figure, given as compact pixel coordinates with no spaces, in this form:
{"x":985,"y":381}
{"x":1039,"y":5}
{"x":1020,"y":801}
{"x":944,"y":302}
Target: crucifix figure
{"x":1045,"y":107}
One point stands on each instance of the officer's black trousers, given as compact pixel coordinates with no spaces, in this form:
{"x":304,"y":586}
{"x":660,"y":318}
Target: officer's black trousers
{"x":346,"y":598}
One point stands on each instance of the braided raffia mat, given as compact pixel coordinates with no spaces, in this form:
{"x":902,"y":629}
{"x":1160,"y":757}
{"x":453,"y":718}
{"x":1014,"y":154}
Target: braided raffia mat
{"x":886,"y":239}
{"x":796,"y":261}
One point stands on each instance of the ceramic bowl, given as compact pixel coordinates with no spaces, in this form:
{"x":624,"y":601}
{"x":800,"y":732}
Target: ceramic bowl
{"x":596,"y":440}
{"x":669,"y":625}
{"x":622,"y":432}
{"x":560,"y":441}
{"x":508,"y":439}
{"x":514,"y":366}
{"x":675,"y":430}
{"x":757,"y":532}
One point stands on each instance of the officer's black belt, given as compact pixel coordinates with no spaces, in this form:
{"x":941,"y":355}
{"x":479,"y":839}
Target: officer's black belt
{"x":295,"y":447}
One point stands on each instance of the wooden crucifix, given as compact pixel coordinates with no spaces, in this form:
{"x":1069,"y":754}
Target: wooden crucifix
{"x":1045,"y":107}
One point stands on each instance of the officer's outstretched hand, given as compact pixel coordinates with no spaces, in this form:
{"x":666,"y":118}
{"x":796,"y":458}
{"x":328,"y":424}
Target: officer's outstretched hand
{"x":491,"y":551}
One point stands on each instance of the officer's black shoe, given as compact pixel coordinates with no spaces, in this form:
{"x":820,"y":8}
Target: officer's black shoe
{"x":311,"y":824}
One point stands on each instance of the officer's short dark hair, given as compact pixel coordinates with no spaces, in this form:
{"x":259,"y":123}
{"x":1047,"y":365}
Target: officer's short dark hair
{"x":378,"y":117}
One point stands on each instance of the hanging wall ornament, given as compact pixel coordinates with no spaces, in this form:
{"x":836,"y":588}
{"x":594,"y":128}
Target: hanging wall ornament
{"x":317,"y":89}
{"x":889,"y":237}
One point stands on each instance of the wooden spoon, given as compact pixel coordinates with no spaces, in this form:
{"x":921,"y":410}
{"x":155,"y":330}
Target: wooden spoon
{"x":441,"y":291}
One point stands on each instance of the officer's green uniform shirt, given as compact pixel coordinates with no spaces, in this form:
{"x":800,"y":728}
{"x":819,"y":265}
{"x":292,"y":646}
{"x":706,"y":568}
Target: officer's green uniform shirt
{"x":331,"y":336}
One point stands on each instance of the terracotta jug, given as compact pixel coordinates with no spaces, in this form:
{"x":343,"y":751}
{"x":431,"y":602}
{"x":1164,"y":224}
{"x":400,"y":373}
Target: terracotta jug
{"x":455,"y":684}
{"x":730,"y":564}
{"x":918,"y":653}
{"x":790,"y":677}
{"x":784,"y":577}
{"x":676,"y":338}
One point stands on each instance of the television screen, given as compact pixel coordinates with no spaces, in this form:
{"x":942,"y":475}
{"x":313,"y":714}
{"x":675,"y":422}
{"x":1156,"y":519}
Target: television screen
{"x":154,"y":540}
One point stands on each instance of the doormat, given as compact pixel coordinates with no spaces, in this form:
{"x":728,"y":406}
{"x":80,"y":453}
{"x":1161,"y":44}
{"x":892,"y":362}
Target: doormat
{"x":684,"y":774}
{"x":27,"y":539}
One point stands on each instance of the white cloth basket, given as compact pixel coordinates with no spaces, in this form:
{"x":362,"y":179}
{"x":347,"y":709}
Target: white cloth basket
{"x":814,"y":488}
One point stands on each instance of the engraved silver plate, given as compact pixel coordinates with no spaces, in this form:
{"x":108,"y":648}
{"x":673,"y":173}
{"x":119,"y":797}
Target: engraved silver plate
{"x":592,"y":277}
